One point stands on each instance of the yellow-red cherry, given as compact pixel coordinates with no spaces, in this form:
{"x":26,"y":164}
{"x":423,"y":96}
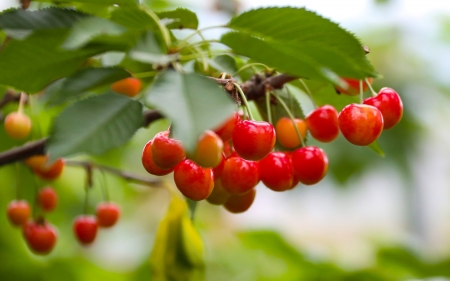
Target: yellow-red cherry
{"x":225,"y":130}
{"x":208,"y":152}
{"x":17,"y":125}
{"x":107,"y":214}
{"x":193,"y":181}
{"x":166,"y":152}
{"x":85,"y":228}
{"x":390,"y":104}
{"x":253,"y":140}
{"x":239,"y":203}
{"x":287,"y":134}
{"x":40,"y":236}
{"x":310,"y":164}
{"x":360,"y":124}
{"x":47,"y":199}
{"x":276,"y":171}
{"x":353,"y":88}
{"x":18,"y":212}
{"x":129,"y":86}
{"x":239,"y":175}
{"x":323,"y":123}
{"x":149,"y":165}
{"x":50,"y":171}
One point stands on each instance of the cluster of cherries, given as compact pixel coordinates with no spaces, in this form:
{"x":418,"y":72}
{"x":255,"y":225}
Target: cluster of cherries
{"x":39,"y":234}
{"x":229,"y":161}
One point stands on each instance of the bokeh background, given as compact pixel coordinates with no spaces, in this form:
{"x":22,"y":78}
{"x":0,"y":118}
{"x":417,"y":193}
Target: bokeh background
{"x":372,"y":218}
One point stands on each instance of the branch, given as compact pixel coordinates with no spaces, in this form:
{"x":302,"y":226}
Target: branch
{"x":10,"y":96}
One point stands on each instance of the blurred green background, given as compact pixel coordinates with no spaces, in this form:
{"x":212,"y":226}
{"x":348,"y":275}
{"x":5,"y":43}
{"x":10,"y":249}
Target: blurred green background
{"x":372,"y":218}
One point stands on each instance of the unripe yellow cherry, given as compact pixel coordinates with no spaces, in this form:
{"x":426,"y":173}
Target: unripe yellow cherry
{"x":17,"y":125}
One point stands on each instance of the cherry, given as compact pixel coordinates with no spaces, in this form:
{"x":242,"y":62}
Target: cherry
{"x":107,"y":214}
{"x":129,"y":86}
{"x":239,"y":203}
{"x":52,"y":171}
{"x":286,"y":133}
{"x":208,"y":152}
{"x":323,"y":123}
{"x":353,"y":86}
{"x":17,"y":125}
{"x":166,"y":152}
{"x":40,"y":236}
{"x":389,"y":103}
{"x":18,"y":212}
{"x":225,"y":130}
{"x":276,"y":171}
{"x":253,"y":140}
{"x":239,"y":175}
{"x":218,"y":195}
{"x":37,"y":161}
{"x":47,"y":199}
{"x":193,"y":181}
{"x":217,"y":171}
{"x":310,"y":164}
{"x":295,"y":179}
{"x":85,"y":228}
{"x":360,"y":124}
{"x":149,"y":165}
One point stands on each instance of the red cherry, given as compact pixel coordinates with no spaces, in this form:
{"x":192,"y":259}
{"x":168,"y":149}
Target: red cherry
{"x":390,"y":104}
{"x":239,"y":203}
{"x":295,"y":179}
{"x":323,"y":123}
{"x":217,"y":171}
{"x":85,"y":228}
{"x":149,"y":165}
{"x":208,"y":152}
{"x":107,"y":214}
{"x":276,"y":171}
{"x":129,"y":86}
{"x":353,"y":86}
{"x":166,"y":152}
{"x":225,"y":130}
{"x":310,"y":164}
{"x":239,"y":175}
{"x":193,"y":181}
{"x":287,"y":134}
{"x":47,"y":199}
{"x":40,"y":236}
{"x":52,"y":171}
{"x":18,"y":212}
{"x":360,"y":124}
{"x":253,"y":140}
{"x":218,"y":195}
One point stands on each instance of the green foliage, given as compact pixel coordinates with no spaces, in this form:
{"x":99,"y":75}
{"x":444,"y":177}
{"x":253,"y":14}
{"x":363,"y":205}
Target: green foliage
{"x":95,"y":125}
{"x":179,"y":19}
{"x":99,"y":2}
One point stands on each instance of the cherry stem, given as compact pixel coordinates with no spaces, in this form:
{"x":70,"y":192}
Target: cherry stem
{"x":370,"y":87}
{"x":104,"y":186}
{"x":198,"y":31}
{"x":308,"y":92}
{"x":164,"y":31}
{"x":17,"y":181}
{"x":23,"y":97}
{"x":244,"y":99}
{"x":145,"y":74}
{"x":250,"y":65}
{"x":361,"y":92}
{"x":36,"y":192}
{"x":88,"y":185}
{"x":291,"y":116}
{"x":269,"y":108}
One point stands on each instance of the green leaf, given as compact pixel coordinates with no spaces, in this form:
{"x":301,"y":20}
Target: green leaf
{"x":31,"y":64}
{"x":305,"y":32}
{"x":85,"y":80}
{"x":375,"y":146}
{"x":224,"y":63}
{"x":178,"y":249}
{"x":100,"y":2}
{"x":150,"y":50}
{"x":192,"y":102}
{"x":134,"y":18}
{"x":95,"y":125}
{"x":179,"y":19}
{"x":89,"y":28}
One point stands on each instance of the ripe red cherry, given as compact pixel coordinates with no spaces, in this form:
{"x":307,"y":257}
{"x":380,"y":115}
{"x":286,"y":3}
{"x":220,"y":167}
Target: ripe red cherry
{"x":40,"y":236}
{"x":18,"y":212}
{"x":360,"y":124}
{"x":166,"y":152}
{"x":225,"y":130}
{"x":217,"y":171}
{"x":193,"y":181}
{"x":239,"y":175}
{"x":390,"y":104}
{"x":85,"y":228}
{"x":253,"y":140}
{"x":239,"y":203}
{"x":286,"y":133}
{"x":323,"y":123}
{"x":310,"y":164}
{"x":353,"y":86}
{"x":17,"y":125}
{"x":50,"y":172}
{"x":129,"y":86}
{"x":47,"y":199}
{"x":149,"y":165}
{"x":107,"y":214}
{"x":208,"y":152}
{"x":218,"y":195}
{"x":276,"y":171}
